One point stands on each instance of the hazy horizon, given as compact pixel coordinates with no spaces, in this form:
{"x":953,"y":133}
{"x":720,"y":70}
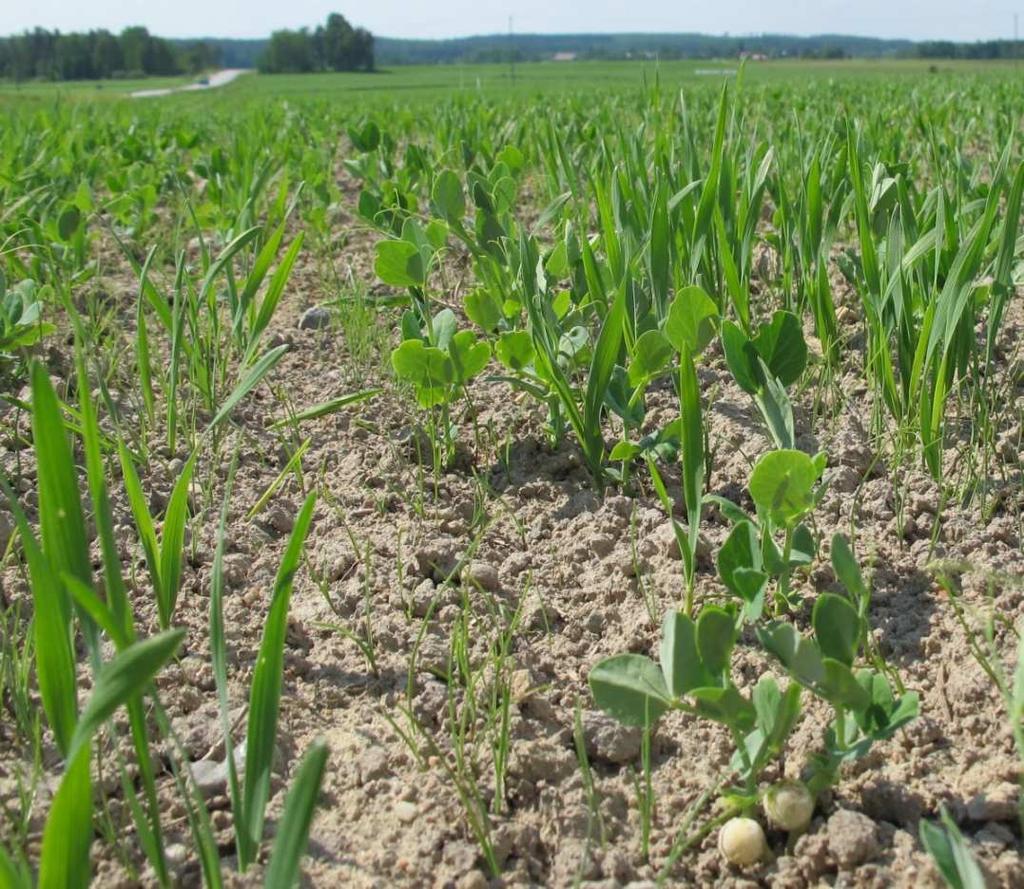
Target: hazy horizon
{"x":252,"y":19}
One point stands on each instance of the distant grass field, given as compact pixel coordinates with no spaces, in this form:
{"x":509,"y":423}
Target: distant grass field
{"x":87,"y":88}
{"x":535,"y":78}
{"x":549,"y":77}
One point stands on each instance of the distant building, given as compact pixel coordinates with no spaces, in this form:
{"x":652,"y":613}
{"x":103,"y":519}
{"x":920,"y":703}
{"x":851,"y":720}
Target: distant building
{"x":564,"y":57}
{"x":754,"y":56}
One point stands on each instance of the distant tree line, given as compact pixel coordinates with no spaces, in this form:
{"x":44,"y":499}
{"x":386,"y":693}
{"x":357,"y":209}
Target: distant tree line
{"x":96,"y":55}
{"x":984,"y":49}
{"x":335,"y":46}
{"x":537,"y":47}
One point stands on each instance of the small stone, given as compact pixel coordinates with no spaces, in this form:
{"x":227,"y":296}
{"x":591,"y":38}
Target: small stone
{"x":996,"y":836}
{"x":842,"y":479}
{"x":811,"y":851}
{"x":280,"y":519}
{"x":176,"y":854}
{"x":475,"y":879}
{"x":482,"y":575}
{"x":314,"y":318}
{"x":541,"y":760}
{"x":373,"y":764}
{"x":211,"y":777}
{"x":852,"y":838}
{"x":998,"y":803}
{"x":608,"y":739}
{"x":601,"y":545}
{"x":406,"y":812}
{"x":236,"y":567}
{"x":423,"y":597}
{"x":664,"y":540}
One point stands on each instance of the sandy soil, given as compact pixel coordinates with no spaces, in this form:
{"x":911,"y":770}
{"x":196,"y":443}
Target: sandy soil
{"x":512,"y":534}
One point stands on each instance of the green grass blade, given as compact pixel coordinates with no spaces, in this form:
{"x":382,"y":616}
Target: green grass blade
{"x":219,"y":658}
{"x":55,"y":658}
{"x":85,"y":597}
{"x":1003,"y":288}
{"x":265,"y":695}
{"x":293,"y":464}
{"x":121,"y":679}
{"x":61,"y":522}
{"x":117,"y":596}
{"x":143,"y":523}
{"x":172,"y":543}
{"x":13,"y":876}
{"x":249,"y":381}
{"x":606,"y":355}
{"x":326,"y":407}
{"x":226,"y":255}
{"x":692,"y":436}
{"x":67,"y":837}
{"x":293,"y":828}
{"x":273,"y":295}
{"x":142,"y":354}
{"x":177,"y":343}
{"x":259,"y":271}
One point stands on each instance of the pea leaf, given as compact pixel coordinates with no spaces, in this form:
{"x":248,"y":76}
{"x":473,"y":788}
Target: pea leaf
{"x":68,"y":222}
{"x":781,"y":345}
{"x":716,"y":635}
{"x":691,"y":320}
{"x":483,"y":308}
{"x":400,"y":264}
{"x":631,"y":688}
{"x":837,"y":627}
{"x":844,"y":563}
{"x":680,"y":660}
{"x":652,"y":353}
{"x":468,"y":356}
{"x":782,"y":485}
{"x":742,"y":364}
{"x":515,"y":350}
{"x":448,"y":198}
{"x":416,"y":363}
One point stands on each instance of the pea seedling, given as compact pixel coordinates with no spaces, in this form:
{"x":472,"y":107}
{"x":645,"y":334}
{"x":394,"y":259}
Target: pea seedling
{"x":439,"y":366}
{"x":784,"y":488}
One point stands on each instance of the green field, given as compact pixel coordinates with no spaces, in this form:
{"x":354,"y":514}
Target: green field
{"x":537,"y":78}
{"x":592,"y":474}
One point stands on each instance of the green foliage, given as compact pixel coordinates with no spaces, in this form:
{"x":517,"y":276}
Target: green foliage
{"x":783,"y":485}
{"x":164,"y":555}
{"x":293,"y":833}
{"x":694,"y":676}
{"x":765,"y":365}
{"x":21,"y":322}
{"x":784,"y":488}
{"x":950,"y":853}
{"x":265,"y":694}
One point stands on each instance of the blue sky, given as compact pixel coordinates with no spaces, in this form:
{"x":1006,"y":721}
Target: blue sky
{"x":918,"y":19}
